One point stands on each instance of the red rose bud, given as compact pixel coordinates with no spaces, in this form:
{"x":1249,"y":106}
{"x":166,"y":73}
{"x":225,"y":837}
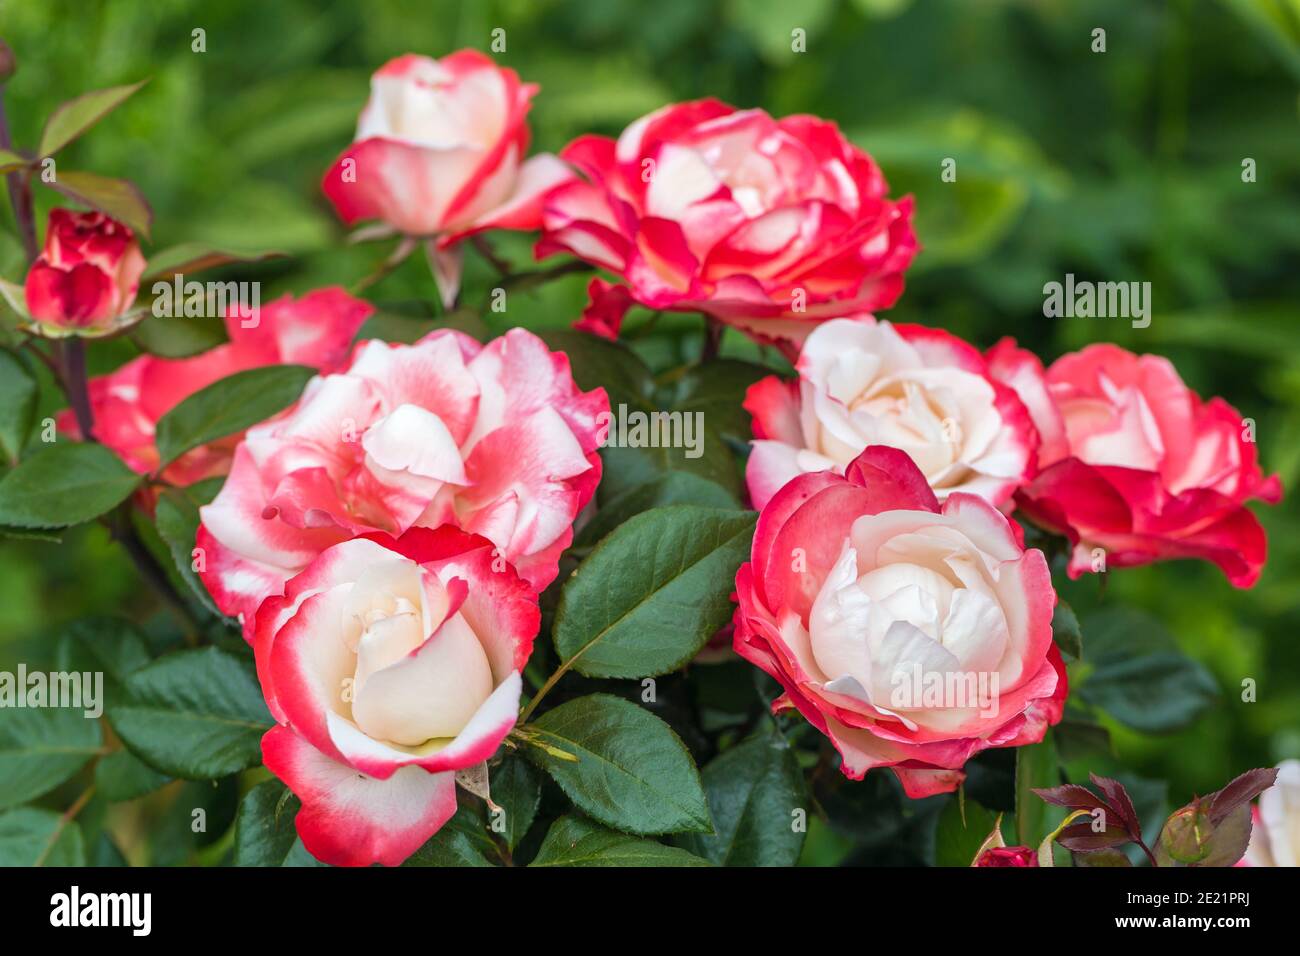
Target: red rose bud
{"x":86,"y":277}
{"x":1008,"y":856}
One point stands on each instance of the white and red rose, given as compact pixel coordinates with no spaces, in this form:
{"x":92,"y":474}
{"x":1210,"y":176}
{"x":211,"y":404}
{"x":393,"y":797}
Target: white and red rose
{"x":388,"y":665}
{"x":495,"y":439}
{"x":769,"y":225}
{"x":863,"y":595}
{"x":921,"y":390}
{"x":440,"y":153}
{"x":85,"y":279}
{"x":315,"y":329}
{"x":1135,"y":467}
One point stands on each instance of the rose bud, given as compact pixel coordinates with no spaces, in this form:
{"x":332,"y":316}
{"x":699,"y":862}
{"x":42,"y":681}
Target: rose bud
{"x":921,"y":390}
{"x":769,"y":225}
{"x":496,"y":439}
{"x":439,"y":153}
{"x":1135,"y":467}
{"x":388,"y":666}
{"x":85,"y":279}
{"x":914,"y":636}
{"x":1008,"y":856}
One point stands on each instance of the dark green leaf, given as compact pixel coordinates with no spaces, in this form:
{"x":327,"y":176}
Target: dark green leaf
{"x":177,"y":518}
{"x":957,"y":841}
{"x":1036,"y":767}
{"x":194,"y":257}
{"x":121,"y":776}
{"x":754,"y":790}
{"x":1065,"y":631}
{"x":109,"y":645}
{"x":462,"y":841}
{"x":18,"y":392}
{"x":264,"y":831}
{"x":573,"y":841}
{"x":31,"y":837}
{"x":40,"y":747}
{"x":517,"y":791}
{"x":229,"y":406}
{"x":652,"y":592}
{"x":194,"y":714}
{"x":177,"y":337}
{"x":670,"y":488}
{"x":65,"y":484}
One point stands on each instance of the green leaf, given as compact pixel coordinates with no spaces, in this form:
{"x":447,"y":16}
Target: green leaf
{"x":1140,"y":677}
{"x":194,"y":714}
{"x":122,"y":776}
{"x":177,"y":517}
{"x":31,"y":837}
{"x":516,"y":789}
{"x":670,"y":488}
{"x":653,"y":592}
{"x":117,"y":198}
{"x":72,"y":118}
{"x":1066,"y":632}
{"x":573,"y":841}
{"x":177,"y":337}
{"x":41,"y":747}
{"x":1036,"y":767}
{"x":597,"y":363}
{"x":18,"y":391}
{"x":104,"y":852}
{"x":229,"y":406}
{"x":109,"y":645}
{"x":264,"y":831}
{"x":462,"y":841}
{"x":957,"y":841}
{"x":66,"y":484}
{"x":753,"y":790}
{"x":191,"y":257}
{"x":632,"y":772}
{"x":717,"y":389}
{"x":10,"y":161}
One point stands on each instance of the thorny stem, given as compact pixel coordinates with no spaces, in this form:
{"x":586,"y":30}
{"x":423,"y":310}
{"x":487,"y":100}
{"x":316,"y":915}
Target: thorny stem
{"x":484,"y":247}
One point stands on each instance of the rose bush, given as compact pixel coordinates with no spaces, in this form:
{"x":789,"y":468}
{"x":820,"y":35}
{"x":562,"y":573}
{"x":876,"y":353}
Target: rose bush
{"x":862,"y":593}
{"x":389,"y":665}
{"x":768,"y":225}
{"x":924,"y":391}
{"x":86,"y":277}
{"x":496,"y":439}
{"x":1136,"y":464}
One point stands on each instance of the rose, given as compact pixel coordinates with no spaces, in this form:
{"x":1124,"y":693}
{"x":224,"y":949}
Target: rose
{"x":769,"y":225}
{"x":439,"y":152}
{"x":863,"y":382}
{"x":1008,"y":856}
{"x":1135,"y":467}
{"x":496,"y":439}
{"x":389,"y":665}
{"x":1275,"y":835}
{"x":127,"y":404}
{"x":914,"y":637}
{"x":85,"y":279}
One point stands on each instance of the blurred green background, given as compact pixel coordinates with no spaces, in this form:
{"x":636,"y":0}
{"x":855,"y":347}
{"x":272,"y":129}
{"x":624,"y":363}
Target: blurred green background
{"x":1117,"y":166}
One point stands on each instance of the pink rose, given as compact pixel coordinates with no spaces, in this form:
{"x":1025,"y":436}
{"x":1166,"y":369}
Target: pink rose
{"x":496,"y":439}
{"x":388,"y":666}
{"x":439,"y":152}
{"x":315,"y":330}
{"x":1008,"y":856}
{"x":1135,"y":467}
{"x":86,"y":277}
{"x":924,"y":391}
{"x":913,"y":636}
{"x":769,"y":225}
